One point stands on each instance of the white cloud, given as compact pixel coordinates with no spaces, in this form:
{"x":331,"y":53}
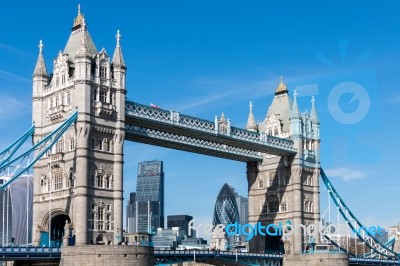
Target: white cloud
{"x":344,"y":173}
{"x":11,"y":107}
{"x":14,"y":77}
{"x":14,"y":50}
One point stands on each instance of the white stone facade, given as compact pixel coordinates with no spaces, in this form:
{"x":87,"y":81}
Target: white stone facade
{"x":81,"y":179}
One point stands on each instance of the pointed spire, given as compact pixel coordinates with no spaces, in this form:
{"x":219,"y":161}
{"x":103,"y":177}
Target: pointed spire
{"x":83,"y":48}
{"x":295,"y":109}
{"x":79,"y":18}
{"x":251,"y":122}
{"x":281,"y":88}
{"x":313,"y":113}
{"x":40,"y":68}
{"x":118,"y":59}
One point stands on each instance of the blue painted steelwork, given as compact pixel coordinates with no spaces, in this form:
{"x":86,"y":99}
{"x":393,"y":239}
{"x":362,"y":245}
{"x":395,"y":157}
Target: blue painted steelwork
{"x":368,"y":261}
{"x":368,"y":238}
{"x":174,"y":130}
{"x":168,"y":257}
{"x":29,"y":253}
{"x":7,"y":153}
{"x":39,"y":148}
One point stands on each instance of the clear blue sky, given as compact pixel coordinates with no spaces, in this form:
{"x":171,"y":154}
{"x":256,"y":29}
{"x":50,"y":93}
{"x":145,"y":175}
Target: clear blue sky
{"x":207,"y":57}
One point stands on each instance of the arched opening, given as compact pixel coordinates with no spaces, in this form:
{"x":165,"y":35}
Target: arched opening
{"x":101,"y":239}
{"x":58,"y":229}
{"x":56,"y":221}
{"x":274,"y":244}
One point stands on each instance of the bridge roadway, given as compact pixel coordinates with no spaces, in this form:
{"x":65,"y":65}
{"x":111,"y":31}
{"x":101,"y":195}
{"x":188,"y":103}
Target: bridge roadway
{"x":169,"y":257}
{"x":166,"y":257}
{"x":174,"y":130}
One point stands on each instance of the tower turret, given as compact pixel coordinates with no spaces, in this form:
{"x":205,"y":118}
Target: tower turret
{"x":251,"y":122}
{"x":295,"y":119}
{"x":118,"y":64}
{"x":40,"y":81}
{"x":82,"y":175}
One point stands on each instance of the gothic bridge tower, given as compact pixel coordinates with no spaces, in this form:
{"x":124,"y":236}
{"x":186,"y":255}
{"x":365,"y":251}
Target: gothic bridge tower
{"x":286,"y":189}
{"x":78,"y":185}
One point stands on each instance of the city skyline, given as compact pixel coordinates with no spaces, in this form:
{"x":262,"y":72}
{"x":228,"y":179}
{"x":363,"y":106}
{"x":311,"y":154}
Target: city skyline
{"x":207,"y":59}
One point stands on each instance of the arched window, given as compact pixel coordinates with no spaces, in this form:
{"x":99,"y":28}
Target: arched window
{"x":100,"y":181}
{"x":60,"y":145}
{"x":260,"y":183}
{"x":276,"y":132}
{"x":58,"y":180}
{"x":71,"y":144}
{"x":284,"y":207}
{"x":106,"y":145}
{"x":308,"y":205}
{"x":68,"y":98}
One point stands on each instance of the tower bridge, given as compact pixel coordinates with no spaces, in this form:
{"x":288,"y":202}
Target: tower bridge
{"x":78,"y":173}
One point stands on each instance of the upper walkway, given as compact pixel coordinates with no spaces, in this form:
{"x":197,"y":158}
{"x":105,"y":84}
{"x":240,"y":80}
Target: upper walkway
{"x":174,"y":130}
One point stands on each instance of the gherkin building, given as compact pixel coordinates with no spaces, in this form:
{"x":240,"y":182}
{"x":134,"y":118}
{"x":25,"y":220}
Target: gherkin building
{"x":226,"y":210}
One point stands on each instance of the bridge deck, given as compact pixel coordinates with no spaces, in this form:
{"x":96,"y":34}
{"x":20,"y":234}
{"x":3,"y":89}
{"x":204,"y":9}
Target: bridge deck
{"x":173,"y":130}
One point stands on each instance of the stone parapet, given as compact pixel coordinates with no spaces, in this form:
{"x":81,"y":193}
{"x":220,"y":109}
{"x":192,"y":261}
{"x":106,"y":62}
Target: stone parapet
{"x":102,"y":255}
{"x":316,"y":259}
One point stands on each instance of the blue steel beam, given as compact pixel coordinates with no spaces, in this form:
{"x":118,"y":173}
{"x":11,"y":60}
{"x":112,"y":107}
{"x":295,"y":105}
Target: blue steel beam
{"x":39,"y":149}
{"x":170,"y":122}
{"x":374,"y":244}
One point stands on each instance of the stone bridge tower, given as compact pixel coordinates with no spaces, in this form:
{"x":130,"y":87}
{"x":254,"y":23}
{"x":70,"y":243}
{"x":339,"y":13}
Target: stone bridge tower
{"x":286,"y":189}
{"x":78,"y":189}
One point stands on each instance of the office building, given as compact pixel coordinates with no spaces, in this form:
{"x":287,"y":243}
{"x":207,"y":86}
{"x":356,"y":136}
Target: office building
{"x":131,"y":214}
{"x":181,"y":221}
{"x":243,"y":209}
{"x":150,"y":196}
{"x":226,"y":210}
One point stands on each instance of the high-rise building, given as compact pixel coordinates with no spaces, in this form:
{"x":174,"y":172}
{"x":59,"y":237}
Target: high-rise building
{"x":243,"y":209}
{"x":226,"y":209}
{"x":225,"y":212}
{"x":16,"y":212}
{"x":181,"y":221}
{"x":131,"y":214}
{"x":150,"y":196}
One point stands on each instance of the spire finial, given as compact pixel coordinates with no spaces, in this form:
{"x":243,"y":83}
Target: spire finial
{"x":281,"y":88}
{"x":79,"y":18}
{"x":118,"y":59}
{"x":313,"y":113}
{"x":40,"y":46}
{"x":40,"y":68}
{"x":294,"y":94}
{"x":118,"y":36}
{"x":251,"y":122}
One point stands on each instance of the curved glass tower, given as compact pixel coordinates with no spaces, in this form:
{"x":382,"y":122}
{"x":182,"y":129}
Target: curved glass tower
{"x":226,"y":210}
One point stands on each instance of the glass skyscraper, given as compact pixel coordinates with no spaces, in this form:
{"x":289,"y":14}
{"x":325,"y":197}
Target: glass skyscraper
{"x":226,"y":209}
{"x":131,"y":214}
{"x":150,"y":196}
